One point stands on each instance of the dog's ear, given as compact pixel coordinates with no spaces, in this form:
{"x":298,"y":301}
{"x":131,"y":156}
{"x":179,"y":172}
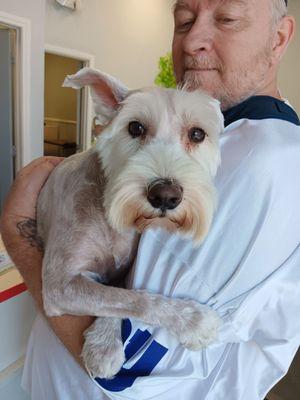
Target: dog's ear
{"x":106,"y":91}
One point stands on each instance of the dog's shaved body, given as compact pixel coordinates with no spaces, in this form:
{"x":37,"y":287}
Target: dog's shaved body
{"x":77,"y":226}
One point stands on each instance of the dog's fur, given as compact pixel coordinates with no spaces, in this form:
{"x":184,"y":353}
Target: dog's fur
{"x":95,"y":202}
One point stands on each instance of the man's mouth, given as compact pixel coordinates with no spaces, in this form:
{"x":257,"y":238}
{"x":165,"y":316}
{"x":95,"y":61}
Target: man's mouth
{"x":200,"y":69}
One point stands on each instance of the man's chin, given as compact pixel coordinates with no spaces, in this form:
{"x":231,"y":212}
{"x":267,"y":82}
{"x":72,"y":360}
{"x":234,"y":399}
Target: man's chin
{"x":210,"y":84}
{"x":205,"y":80}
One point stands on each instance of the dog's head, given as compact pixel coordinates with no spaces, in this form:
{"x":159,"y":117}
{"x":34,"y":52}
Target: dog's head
{"x":160,"y":152}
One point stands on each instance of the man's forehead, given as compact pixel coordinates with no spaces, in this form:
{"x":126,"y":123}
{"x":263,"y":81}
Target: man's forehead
{"x":189,"y":4}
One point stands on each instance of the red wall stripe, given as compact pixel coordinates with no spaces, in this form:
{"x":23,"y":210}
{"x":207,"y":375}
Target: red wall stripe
{"x":13,"y":291}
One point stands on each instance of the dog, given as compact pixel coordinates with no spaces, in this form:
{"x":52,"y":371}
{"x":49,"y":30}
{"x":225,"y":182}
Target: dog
{"x":152,"y":166}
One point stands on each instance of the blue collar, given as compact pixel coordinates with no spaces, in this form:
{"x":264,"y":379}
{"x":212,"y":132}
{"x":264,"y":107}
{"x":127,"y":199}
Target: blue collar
{"x":261,"y":107}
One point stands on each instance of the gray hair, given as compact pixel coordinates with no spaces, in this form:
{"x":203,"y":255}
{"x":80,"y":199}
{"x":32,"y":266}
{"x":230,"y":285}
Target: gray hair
{"x":279,"y":10}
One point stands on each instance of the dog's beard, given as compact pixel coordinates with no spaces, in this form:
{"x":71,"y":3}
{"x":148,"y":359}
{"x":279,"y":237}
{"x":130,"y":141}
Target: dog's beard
{"x":127,"y":207}
{"x":193,"y":218}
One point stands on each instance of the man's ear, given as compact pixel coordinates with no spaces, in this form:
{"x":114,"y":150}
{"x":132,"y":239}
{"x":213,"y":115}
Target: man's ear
{"x":106,"y":91}
{"x":283,"y":35}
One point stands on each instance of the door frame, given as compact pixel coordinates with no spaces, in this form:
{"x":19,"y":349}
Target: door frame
{"x":22,"y":92}
{"x":88,"y":60}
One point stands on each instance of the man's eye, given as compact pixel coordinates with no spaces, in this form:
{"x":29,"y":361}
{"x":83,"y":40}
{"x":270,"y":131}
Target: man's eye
{"x":136,"y":129}
{"x":227,"y":20}
{"x":184,"y":26}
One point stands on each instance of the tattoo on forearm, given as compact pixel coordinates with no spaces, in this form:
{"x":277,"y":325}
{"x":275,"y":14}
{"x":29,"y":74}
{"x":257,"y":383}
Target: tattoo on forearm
{"x":28,"y":230}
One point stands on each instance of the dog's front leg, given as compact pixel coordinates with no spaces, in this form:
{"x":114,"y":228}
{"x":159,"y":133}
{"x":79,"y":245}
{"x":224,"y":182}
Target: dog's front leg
{"x":193,"y":324}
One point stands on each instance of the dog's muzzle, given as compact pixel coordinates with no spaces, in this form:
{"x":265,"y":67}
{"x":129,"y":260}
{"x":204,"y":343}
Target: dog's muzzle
{"x":164,"y":194}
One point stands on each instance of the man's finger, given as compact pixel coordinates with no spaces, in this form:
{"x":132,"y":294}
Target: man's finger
{"x":39,"y":162}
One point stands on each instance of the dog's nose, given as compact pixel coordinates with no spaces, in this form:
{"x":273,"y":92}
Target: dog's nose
{"x":164,"y":194}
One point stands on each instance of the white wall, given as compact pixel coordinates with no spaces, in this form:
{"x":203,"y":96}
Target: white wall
{"x":127,"y":37}
{"x":290,"y":68}
{"x":34,"y":10}
{"x":11,"y":389}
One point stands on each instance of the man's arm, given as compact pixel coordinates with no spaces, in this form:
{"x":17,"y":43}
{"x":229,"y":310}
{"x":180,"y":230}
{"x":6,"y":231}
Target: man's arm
{"x":19,"y":234}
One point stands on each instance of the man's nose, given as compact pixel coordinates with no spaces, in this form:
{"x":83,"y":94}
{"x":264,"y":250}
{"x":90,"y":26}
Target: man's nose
{"x":200,"y":38}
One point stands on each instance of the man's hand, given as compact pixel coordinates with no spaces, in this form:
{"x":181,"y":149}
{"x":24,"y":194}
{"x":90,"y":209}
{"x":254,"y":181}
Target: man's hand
{"x":24,"y":192}
{"x":19,"y":234}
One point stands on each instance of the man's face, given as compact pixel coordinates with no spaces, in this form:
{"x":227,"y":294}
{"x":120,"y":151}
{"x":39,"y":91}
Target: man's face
{"x":224,"y":47}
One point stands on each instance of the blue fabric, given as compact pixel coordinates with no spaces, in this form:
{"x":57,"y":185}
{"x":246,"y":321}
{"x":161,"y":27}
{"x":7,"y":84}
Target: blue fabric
{"x":261,"y":107}
{"x":143,"y":367}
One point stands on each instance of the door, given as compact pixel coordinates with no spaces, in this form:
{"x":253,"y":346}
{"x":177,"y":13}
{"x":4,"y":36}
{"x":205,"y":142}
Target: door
{"x":7,"y":56}
{"x":63,"y":107}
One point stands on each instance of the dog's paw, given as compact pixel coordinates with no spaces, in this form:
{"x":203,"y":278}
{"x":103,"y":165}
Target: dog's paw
{"x":103,"y":361}
{"x":196,"y":325}
{"x":102,"y":353}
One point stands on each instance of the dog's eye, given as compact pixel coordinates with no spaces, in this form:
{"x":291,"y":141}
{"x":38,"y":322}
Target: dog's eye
{"x":196,"y":135}
{"x":136,"y":129}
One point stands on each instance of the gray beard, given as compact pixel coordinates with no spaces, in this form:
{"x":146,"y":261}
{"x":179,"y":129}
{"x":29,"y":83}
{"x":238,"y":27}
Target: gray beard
{"x":193,"y":82}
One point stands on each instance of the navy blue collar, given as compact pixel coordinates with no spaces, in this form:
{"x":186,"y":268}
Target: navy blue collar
{"x":261,"y":107}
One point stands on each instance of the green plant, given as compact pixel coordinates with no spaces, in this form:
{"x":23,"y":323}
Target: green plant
{"x":166,"y":76}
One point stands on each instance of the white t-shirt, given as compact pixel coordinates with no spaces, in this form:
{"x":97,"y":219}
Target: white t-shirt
{"x":247,"y":269}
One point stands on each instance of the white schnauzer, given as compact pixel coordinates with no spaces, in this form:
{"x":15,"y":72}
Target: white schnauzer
{"x":152,"y":166}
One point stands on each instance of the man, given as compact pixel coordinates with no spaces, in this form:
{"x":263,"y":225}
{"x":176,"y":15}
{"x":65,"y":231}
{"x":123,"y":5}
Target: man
{"x":248,"y":267}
